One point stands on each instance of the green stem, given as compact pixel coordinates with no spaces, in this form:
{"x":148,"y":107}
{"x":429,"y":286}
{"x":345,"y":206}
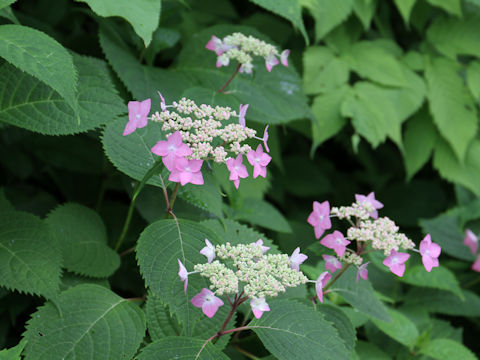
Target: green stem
{"x":340,"y":273}
{"x":246,"y":353}
{"x":172,"y":198}
{"x":138,"y":187}
{"x":229,"y":80}
{"x":471,"y":283}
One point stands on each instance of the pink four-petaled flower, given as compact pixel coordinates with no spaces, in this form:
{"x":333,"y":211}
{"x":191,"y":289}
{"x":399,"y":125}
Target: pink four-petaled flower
{"x":259,"y":306}
{"x":172,"y":150}
{"x":336,"y":241}
{"x":216,"y":45}
{"x":208,"y":251}
{"x":396,"y":262}
{"x":430,"y":253}
{"x":476,"y":264}
{"x":320,"y":284}
{"x":331,"y":263}
{"x":297,"y":258}
{"x":207,"y":301}
{"x":362,"y":271}
{"x":471,"y":241}
{"x":259,"y":160}
{"x":270,"y":62}
{"x":187,"y":171}
{"x":319,"y":218}
{"x":137,"y":115}
{"x":241,"y":115}
{"x":183,"y":274}
{"x":237,"y":170}
{"x":371,"y":202}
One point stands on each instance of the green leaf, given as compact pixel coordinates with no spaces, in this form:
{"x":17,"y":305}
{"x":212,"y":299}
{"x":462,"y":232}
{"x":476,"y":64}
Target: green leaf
{"x":439,"y":278}
{"x":29,"y":259}
{"x":70,"y":280}
{"x":207,"y":196}
{"x":454,"y":37}
{"x":327,"y":14}
{"x":13,"y":353}
{"x":418,"y":142}
{"x":8,"y":14}
{"x":405,"y":8}
{"x":322,"y":70}
{"x":450,"y":99}
{"x":143,"y":17}
{"x":260,"y":212}
{"x":178,"y":347}
{"x":446,"y":349}
{"x":473,"y":79}
{"x":361,"y":295}
{"x":160,"y":322}
{"x":41,"y":56}
{"x":341,"y":322}
{"x":400,"y":328}
{"x":453,"y":7}
{"x":5,"y":204}
{"x":89,"y":322}
{"x":28,"y":103}
{"x":5,"y":3}
{"x":82,"y":238}
{"x":365,"y":9}
{"x":288,"y":9}
{"x":368,"y":351}
{"x":292,"y":330}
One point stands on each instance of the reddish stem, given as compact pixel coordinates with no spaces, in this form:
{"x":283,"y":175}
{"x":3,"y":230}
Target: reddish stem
{"x":229,"y":80}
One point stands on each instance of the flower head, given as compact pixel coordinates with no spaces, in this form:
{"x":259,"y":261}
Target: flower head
{"x":335,"y":241}
{"x":137,"y":115}
{"x":163,"y":105}
{"x":182,"y":272}
{"x":216,"y":45}
{"x":270,"y":62}
{"x":362,"y":271}
{"x":320,"y":284}
{"x":207,"y":301}
{"x":172,"y":150}
{"x":259,"y":160}
{"x":331,"y":263}
{"x":370,"y":202}
{"x":259,"y":306}
{"x":297,"y":258}
{"x":471,"y":241}
{"x":476,"y":264}
{"x":430,"y":253}
{"x":259,"y":242}
{"x":241,"y":115}
{"x":187,"y":171}
{"x":284,"y":57}
{"x":237,"y":169}
{"x":208,"y":251}
{"x":396,"y":262}
{"x":320,"y":218}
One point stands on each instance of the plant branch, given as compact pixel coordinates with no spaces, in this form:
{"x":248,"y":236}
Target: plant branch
{"x":229,"y":80}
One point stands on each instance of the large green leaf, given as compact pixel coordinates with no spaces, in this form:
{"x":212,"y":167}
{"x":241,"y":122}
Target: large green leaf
{"x":368,"y":351}
{"x":13,"y":353}
{"x":341,"y":322}
{"x":143,"y":16}
{"x":473,"y":79}
{"x":447,"y":349}
{"x":41,"y":56}
{"x":29,"y":258}
{"x":5,"y":3}
{"x":292,"y":330}
{"x":365,"y":9}
{"x":405,"y":8}
{"x":27,"y":102}
{"x":453,"y":7}
{"x":262,"y":213}
{"x":450,"y":99}
{"x":400,"y":328}
{"x":439,"y":278}
{"x":82,"y":238}
{"x":178,"y":347}
{"x":88,"y":322}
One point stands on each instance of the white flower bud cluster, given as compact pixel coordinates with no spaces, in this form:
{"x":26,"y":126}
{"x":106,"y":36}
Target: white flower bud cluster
{"x":221,"y":278}
{"x":359,"y":211}
{"x":350,"y":257}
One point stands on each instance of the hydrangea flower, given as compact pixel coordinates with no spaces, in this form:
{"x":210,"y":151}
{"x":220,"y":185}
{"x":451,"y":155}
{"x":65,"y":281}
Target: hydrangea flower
{"x":320,"y":218}
{"x":476,"y":264}
{"x":331,"y":263}
{"x":320,"y":284}
{"x":187,"y":171}
{"x":297,"y":258}
{"x":241,"y":115}
{"x":471,"y":241}
{"x":259,"y":160}
{"x":430,"y":253}
{"x":370,"y":202}
{"x":207,"y":301}
{"x":137,"y":115}
{"x":237,"y":170}
{"x":259,"y":242}
{"x":172,"y":150}
{"x":284,"y":57}
{"x":270,"y":62}
{"x":163,"y":105}
{"x":362,"y":271}
{"x":259,"y":306}
{"x":183,"y":274}
{"x":335,"y":241}
{"x":208,"y":251}
{"x":396,"y":262}
{"x":216,"y":45}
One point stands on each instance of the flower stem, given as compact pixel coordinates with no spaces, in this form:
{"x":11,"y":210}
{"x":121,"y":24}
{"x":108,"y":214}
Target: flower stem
{"x":246,"y":353}
{"x":172,"y":198}
{"x":229,"y":80}
{"x":340,"y":273}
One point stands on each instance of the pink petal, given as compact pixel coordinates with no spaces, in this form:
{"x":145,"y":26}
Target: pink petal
{"x":170,"y":161}
{"x":195,"y":165}
{"x":163,"y":106}
{"x":175,"y":139}
{"x":320,"y":284}
{"x":318,"y":230}
{"x":236,"y":183}
{"x":129,"y":128}
{"x":197,"y":178}
{"x":284,"y":57}
{"x":145,"y":107}
{"x":185,"y":177}
{"x":476,"y":264}
{"x":133,"y":111}
{"x":160,"y":148}
{"x":265,"y":138}
{"x":471,"y":241}
{"x":198,"y":299}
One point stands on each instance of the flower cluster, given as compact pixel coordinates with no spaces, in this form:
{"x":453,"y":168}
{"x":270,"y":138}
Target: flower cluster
{"x":242,"y":48}
{"x":471,"y":240}
{"x":367,"y":229}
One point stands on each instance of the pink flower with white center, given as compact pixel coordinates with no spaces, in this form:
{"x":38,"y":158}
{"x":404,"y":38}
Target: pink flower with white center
{"x":183,"y":273}
{"x":471,"y":241}
{"x":172,"y":150}
{"x":270,"y":62}
{"x":284,"y":57}
{"x":215,"y":44}
{"x":163,"y":106}
{"x":297,"y":258}
{"x":396,"y":262}
{"x":259,"y":160}
{"x":259,"y":306}
{"x":208,"y":251}
{"x":476,"y":264}
{"x":331,"y":263}
{"x":320,"y":284}
{"x":241,"y":114}
{"x":370,"y":201}
{"x":222,"y":60}
{"x":319,"y":218}
{"x":336,"y":241}
{"x":207,"y":301}
{"x":363,"y":271}
{"x":137,"y":115}
{"x":265,"y":138}
{"x":430,"y":253}
{"x":187,"y":171}
{"x":259,"y":242}
{"x":237,"y":169}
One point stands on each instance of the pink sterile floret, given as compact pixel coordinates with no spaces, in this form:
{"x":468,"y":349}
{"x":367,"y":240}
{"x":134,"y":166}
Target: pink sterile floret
{"x":320,"y":284}
{"x":336,"y":241}
{"x":476,"y":264}
{"x":163,"y":106}
{"x":259,"y":306}
{"x":259,"y":242}
{"x":208,"y":251}
{"x":241,"y":115}
{"x":137,"y":115}
{"x":370,"y":201}
{"x":430,"y":253}
{"x":270,"y":62}
{"x":396,"y":262}
{"x":172,"y":150}
{"x":284,"y":57}
{"x":320,"y":218}
{"x":259,"y":160}
{"x":183,"y":274}
{"x":215,"y":44}
{"x":362,"y":271}
{"x":297,"y":258}
{"x":471,"y":241}
{"x":331,"y":263}
{"x":237,"y":170}
{"x":207,"y":301}
{"x":265,"y":138}
{"x":187,"y":171}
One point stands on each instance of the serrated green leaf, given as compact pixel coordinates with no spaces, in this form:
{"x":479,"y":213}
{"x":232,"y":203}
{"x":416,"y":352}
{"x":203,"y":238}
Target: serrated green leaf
{"x":442,"y":329}
{"x":405,"y":8}
{"x":41,"y":56}
{"x":160,"y":322}
{"x":439,"y":278}
{"x":360,"y":295}
{"x":28,"y":103}
{"x":143,"y":17}
{"x":365,"y":9}
{"x":473,"y":79}
{"x":327,"y":14}
{"x":13,"y":353}
{"x":179,"y":347}
{"x":368,"y":351}
{"x":288,"y":9}
{"x":29,"y":259}
{"x":260,"y":212}
{"x":291,"y":330}
{"x":447,"y":349}
{"x":400,"y":328}
{"x":5,"y":204}
{"x":453,"y":7}
{"x":207,"y":196}
{"x":70,"y":280}
{"x":341,"y":322}
{"x":5,"y":3}
{"x":7,"y":13}
{"x":322,"y":70}
{"x":82,"y":238}
{"x":89,"y":322}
